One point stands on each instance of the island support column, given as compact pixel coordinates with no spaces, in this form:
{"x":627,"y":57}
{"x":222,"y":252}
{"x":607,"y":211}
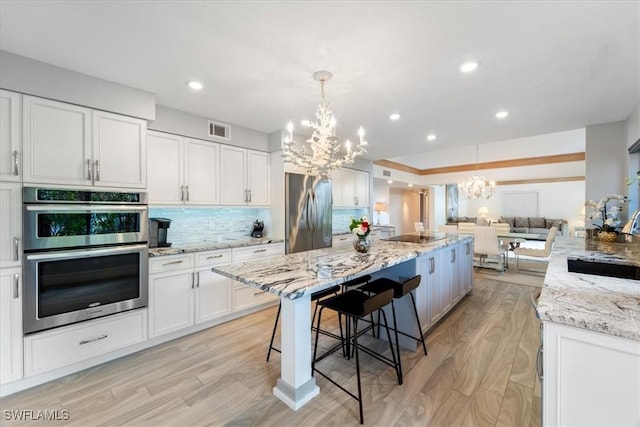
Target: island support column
{"x":296,"y":386}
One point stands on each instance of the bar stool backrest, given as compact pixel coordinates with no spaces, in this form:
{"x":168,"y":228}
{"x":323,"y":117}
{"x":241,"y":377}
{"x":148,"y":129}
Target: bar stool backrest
{"x":376,"y":302}
{"x":409,"y":285}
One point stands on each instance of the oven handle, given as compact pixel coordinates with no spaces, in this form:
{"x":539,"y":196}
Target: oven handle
{"x":87,"y":208}
{"x":89,"y":252}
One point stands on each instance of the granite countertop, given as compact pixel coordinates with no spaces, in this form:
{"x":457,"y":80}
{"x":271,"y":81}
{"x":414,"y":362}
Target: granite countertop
{"x":210,"y":245}
{"x":294,"y":275}
{"x":602,"y":304}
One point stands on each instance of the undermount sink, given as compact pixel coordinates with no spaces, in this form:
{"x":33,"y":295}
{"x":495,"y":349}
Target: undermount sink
{"x":604,"y":269}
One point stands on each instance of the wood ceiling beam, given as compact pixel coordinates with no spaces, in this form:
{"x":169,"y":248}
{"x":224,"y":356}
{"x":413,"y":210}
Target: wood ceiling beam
{"x":513,"y":163}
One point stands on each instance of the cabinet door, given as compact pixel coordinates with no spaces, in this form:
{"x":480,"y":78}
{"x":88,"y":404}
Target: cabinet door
{"x":202,"y":171}
{"x":10,"y":224}
{"x":361,"y":188}
{"x":10,"y":142}
{"x":465,"y":267}
{"x":233,"y":184}
{"x":336,"y":187}
{"x":444,"y":280}
{"x":348,"y":177}
{"x":171,"y":302}
{"x":453,"y":254}
{"x":57,"y":143}
{"x":213,"y":295}
{"x":165,"y":160}
{"x":258,"y":177}
{"x":119,"y":151}
{"x":10,"y":325}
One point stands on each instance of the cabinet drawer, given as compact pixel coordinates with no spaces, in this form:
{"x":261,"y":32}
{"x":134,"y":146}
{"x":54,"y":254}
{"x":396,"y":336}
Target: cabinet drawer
{"x":63,"y":346}
{"x":170,"y":263}
{"x":248,"y":296}
{"x":257,"y":252}
{"x":219,"y":257}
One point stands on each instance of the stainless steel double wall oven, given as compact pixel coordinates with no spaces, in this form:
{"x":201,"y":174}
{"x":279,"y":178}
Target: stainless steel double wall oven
{"x":86,"y":255}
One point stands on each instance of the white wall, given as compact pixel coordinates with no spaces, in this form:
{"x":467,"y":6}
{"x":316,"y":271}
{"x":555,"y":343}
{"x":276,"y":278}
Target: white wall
{"x":380,"y":193}
{"x":404,"y":209}
{"x":186,"y":124}
{"x":607,"y":160}
{"x":25,"y":75}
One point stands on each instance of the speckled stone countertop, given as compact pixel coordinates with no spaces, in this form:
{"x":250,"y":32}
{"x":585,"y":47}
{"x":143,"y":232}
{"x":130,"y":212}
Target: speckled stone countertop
{"x":598,"y":303}
{"x":222,"y":243}
{"x":294,"y":275}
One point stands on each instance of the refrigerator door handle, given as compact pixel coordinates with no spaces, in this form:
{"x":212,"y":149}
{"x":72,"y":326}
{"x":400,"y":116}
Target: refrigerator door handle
{"x":308,"y":213}
{"x":312,"y":209}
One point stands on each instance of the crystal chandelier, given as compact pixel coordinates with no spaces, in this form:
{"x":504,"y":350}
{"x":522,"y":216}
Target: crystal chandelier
{"x":476,"y":186}
{"x":327,"y":152}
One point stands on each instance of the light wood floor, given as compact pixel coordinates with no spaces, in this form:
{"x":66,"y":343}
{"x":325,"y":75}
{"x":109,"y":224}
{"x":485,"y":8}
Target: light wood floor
{"x":480,"y":371}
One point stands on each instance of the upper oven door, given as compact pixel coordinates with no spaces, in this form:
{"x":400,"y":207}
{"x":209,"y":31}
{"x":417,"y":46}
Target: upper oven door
{"x":66,"y":226}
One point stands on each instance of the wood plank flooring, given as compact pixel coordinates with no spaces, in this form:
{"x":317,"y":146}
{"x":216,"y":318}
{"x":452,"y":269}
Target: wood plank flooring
{"x":480,"y":371}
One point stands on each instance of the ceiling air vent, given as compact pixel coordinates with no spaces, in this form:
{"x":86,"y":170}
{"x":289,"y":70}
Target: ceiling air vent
{"x":386,"y":173}
{"x":219,"y":130}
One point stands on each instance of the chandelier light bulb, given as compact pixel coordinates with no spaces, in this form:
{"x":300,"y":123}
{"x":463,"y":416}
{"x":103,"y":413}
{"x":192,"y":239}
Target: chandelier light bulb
{"x":305,"y":123}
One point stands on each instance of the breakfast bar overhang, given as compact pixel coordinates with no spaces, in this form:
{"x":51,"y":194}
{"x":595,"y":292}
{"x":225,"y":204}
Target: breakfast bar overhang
{"x":295,"y":277}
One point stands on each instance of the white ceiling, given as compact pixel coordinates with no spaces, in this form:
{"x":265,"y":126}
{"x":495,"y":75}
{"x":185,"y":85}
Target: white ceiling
{"x":554,"y":65}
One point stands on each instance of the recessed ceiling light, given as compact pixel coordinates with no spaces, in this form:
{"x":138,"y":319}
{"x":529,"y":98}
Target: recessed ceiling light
{"x":394,"y":116}
{"x":469,"y":66}
{"x":305,"y":122}
{"x":431,"y":137}
{"x":195,"y":85}
{"x":389,"y":182}
{"x":410,"y":185}
{"x":502,"y":114}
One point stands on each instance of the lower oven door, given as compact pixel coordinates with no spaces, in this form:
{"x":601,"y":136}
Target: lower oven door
{"x":65,"y":287}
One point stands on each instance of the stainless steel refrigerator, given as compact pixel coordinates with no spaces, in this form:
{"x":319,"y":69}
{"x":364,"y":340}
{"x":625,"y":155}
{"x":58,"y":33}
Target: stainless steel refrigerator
{"x":308,"y":203}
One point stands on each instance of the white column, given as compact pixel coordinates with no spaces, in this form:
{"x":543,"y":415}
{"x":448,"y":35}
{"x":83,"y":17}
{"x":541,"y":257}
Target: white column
{"x":296,"y":386}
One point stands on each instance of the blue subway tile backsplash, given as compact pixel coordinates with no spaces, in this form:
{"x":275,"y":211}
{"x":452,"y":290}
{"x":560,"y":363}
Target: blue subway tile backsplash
{"x":342,"y":218}
{"x":195,"y":225}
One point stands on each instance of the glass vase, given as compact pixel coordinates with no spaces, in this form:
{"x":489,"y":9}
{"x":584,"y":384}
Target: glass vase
{"x":362,"y":244}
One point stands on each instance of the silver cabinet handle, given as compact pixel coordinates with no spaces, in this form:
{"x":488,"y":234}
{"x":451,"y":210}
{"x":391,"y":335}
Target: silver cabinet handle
{"x":539,"y":363}
{"x":16,"y":286}
{"x":15,"y":162}
{"x":259,"y":250}
{"x":215,"y":256}
{"x":356,"y":201}
{"x":453,"y":255}
{"x":180,"y":261}
{"x":246,"y":195}
{"x":97,"y":170}
{"x":468,"y":248}
{"x":193,"y":280}
{"x":87,"y":341}
{"x":182,"y":193}
{"x":432,"y":265}
{"x":89,"y":174}
{"x":249,"y":195}
{"x":16,"y":248}
{"x":187,"y":190}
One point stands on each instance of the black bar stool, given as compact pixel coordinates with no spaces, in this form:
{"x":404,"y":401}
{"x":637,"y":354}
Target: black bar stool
{"x":316,"y":296}
{"x":355,"y":305}
{"x":400,"y":289}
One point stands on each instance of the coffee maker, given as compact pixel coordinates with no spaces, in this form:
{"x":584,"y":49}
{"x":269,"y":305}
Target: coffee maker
{"x":258,"y":226}
{"x":158,"y":232}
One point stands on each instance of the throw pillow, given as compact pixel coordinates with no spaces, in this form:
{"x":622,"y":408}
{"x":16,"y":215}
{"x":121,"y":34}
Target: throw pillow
{"x":553,"y":223}
{"x":508,"y":219}
{"x":521,"y":222}
{"x":536,"y":223}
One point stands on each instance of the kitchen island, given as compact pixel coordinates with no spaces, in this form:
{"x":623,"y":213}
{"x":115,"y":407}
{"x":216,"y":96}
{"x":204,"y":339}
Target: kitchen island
{"x":591,"y":337}
{"x":295,"y":277}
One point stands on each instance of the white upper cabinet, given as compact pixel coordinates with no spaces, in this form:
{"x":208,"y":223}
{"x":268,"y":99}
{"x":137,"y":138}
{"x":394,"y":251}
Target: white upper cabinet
{"x":165,"y":161}
{"x":67,"y":144}
{"x":350,"y":188}
{"x":119,"y":151}
{"x":201,"y":172}
{"x":244,"y":176}
{"x":10,"y":142}
{"x":182,"y":171}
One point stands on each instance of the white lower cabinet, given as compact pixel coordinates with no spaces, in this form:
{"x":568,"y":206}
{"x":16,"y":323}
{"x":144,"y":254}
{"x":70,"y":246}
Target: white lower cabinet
{"x":63,"y":346}
{"x":10,"y":325}
{"x":171,"y":297}
{"x":446,"y":278}
{"x":589,"y":378}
